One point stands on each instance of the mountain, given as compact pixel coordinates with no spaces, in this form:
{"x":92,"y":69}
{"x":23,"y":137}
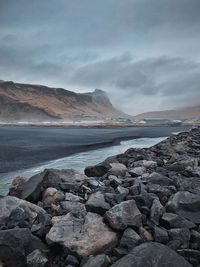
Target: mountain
{"x":186,"y":113}
{"x":37,"y":103}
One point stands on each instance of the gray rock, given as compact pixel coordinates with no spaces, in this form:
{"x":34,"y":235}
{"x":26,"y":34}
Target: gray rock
{"x":96,"y":203}
{"x":152,"y":254}
{"x":160,"y":191}
{"x":73,"y":206}
{"x":16,"y":244}
{"x":182,"y":234}
{"x":145,"y":235}
{"x":97,"y":170}
{"x":124,"y":215}
{"x":33,"y":188}
{"x":82,"y":235}
{"x":52,"y":196}
{"x":14,"y":210}
{"x":145,"y":163}
{"x":114,"y":181}
{"x":159,"y":179}
{"x":72,"y":260}
{"x":73,"y":198}
{"x":161,"y":235}
{"x":17,"y":186}
{"x":137,"y":171}
{"x":130,"y":239}
{"x":36,"y":259}
{"x":117,"y":169}
{"x":157,"y":210}
{"x":186,"y":205}
{"x":195,"y":239}
{"x":193,"y":256}
{"x":172,"y":220}
{"x":98,"y":261}
{"x":122,"y":190}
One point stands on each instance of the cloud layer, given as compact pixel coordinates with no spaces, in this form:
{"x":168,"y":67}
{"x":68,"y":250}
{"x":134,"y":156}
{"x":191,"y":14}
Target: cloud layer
{"x":144,"y":53}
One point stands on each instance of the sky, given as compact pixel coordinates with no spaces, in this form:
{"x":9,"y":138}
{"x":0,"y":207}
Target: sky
{"x":144,"y":53}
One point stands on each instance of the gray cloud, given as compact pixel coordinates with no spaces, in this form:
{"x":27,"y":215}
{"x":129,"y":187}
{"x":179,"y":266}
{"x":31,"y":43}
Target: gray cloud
{"x":144,"y":53}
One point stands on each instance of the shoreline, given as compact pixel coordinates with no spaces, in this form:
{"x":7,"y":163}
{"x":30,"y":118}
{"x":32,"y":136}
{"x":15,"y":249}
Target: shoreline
{"x":59,"y":146}
{"x":139,"y":206}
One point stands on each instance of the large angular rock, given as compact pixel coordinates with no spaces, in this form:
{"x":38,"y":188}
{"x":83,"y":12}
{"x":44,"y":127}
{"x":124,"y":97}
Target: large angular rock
{"x":137,"y":171}
{"x":185,"y":204}
{"x":157,"y":210}
{"x":15,"y":212}
{"x":52,"y":196}
{"x":182,"y":234}
{"x":36,"y":259}
{"x":130,"y":239}
{"x":157,"y":178}
{"x":124,"y":215}
{"x":152,"y":254}
{"x":16,"y":244}
{"x":16,"y":186}
{"x":145,"y":163}
{"x":33,"y":188}
{"x":101,"y":260}
{"x":82,"y":235}
{"x":97,"y":170}
{"x":117,"y":169}
{"x":96,"y":203}
{"x":172,"y":220}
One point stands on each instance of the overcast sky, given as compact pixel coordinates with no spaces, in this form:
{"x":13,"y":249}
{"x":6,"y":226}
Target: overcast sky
{"x":144,"y":53}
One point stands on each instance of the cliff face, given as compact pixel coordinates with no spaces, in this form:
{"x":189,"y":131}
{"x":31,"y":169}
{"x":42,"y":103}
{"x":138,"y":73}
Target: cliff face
{"x":26,"y":102}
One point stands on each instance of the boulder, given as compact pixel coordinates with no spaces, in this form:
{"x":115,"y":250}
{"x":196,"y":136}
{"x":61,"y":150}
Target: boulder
{"x":73,"y":206}
{"x":159,"y":179}
{"x":36,"y":259}
{"x":73,"y":198}
{"x":185,"y":204}
{"x":193,"y":256}
{"x":152,"y":254}
{"x":96,"y":203}
{"x":172,"y":220}
{"x":161,"y":235}
{"x":149,"y":164}
{"x":137,"y":171}
{"x":157,"y":210}
{"x":16,"y":244}
{"x":52,"y":196}
{"x":33,"y":188}
{"x":82,"y":235}
{"x":97,"y":170}
{"x":16,"y":186}
{"x":182,"y":234}
{"x":15,"y":212}
{"x":117,"y":169}
{"x":130,"y":239}
{"x":101,"y":260}
{"x":124,"y":215}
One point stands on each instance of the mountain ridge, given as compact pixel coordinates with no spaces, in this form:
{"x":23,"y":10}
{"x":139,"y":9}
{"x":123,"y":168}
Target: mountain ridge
{"x":184,"y":113}
{"x":19,"y":102}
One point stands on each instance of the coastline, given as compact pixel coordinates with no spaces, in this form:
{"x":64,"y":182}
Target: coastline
{"x":38,"y":144}
{"x":139,"y":206}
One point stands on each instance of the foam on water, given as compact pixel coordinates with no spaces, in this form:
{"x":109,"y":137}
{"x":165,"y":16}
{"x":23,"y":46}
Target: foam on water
{"x":80,"y":160}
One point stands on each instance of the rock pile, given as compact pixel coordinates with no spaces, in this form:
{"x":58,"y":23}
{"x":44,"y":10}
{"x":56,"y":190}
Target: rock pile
{"x":140,"y":208}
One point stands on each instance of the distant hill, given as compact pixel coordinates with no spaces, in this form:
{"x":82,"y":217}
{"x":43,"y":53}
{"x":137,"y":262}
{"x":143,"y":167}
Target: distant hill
{"x":37,"y":103}
{"x":187,"y":113}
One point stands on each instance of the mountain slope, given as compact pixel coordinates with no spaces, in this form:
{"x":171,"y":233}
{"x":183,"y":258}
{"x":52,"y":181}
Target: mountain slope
{"x":26,"y":102}
{"x":186,"y":113}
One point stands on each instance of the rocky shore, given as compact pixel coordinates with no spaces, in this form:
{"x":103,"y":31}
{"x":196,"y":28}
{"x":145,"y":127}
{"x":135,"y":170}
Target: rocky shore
{"x":140,"y":208}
